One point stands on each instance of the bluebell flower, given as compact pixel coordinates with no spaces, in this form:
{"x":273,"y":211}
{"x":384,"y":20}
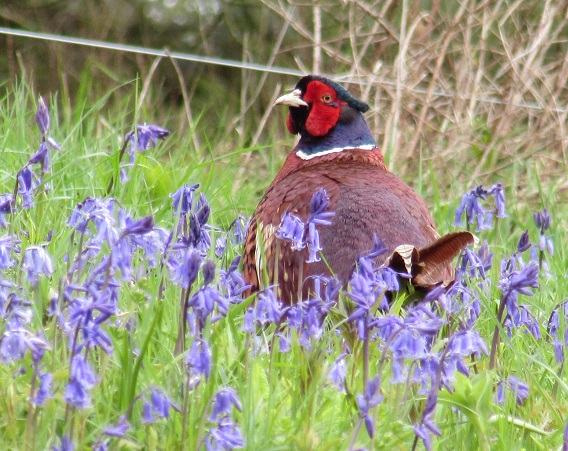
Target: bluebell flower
{"x":182,"y":199}
{"x":198,"y":359}
{"x":185,"y":272}
{"x":268,"y":308}
{"x":518,"y":388}
{"x":37,"y":262}
{"x":337,"y":373}
{"x":554,"y":324}
{"x":470,"y":204}
{"x":225,"y":435}
{"x":542,"y":220}
{"x":318,"y":206}
{"x":523,"y":317}
{"x":41,"y":157}
{"x":81,"y":379}
{"x":6,"y":203}
{"x":370,"y":398}
{"x":146,"y":137}
{"x":498,"y":193}
{"x":8,"y":246}
{"x":27,"y":183}
{"x":119,"y":429}
{"x":158,"y":407}
{"x":248,"y":321}
{"x":42,"y":117}
{"x":240,"y":226}
{"x":44,"y":391}
{"x":66,"y":444}
{"x":220,"y":246}
{"x":224,"y":400}
{"x":292,"y":229}
{"x":231,"y":282}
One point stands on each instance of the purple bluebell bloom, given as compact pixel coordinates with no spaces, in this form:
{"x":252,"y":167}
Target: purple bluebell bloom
{"x":8,"y":245}
{"x":240,"y":227}
{"x":66,"y":444}
{"x":268,"y":308}
{"x":470,"y":204}
{"x":559,"y":343}
{"x":44,"y":391}
{"x":81,"y":379}
{"x":198,"y":359}
{"x":232,"y":284}
{"x":182,"y":199}
{"x":292,"y":229}
{"x":119,"y":429}
{"x":427,"y":426}
{"x":542,"y":220}
{"x":220,"y":246}
{"x":27,"y":183}
{"x":6,"y":202}
{"x":37,"y":262}
{"x":225,"y":398}
{"x":225,"y":435}
{"x":185,"y":272}
{"x":498,"y":193}
{"x":370,"y":398}
{"x":42,"y":117}
{"x":337,"y":373}
{"x":146,"y":137}
{"x":41,"y":157}
{"x":517,"y":387}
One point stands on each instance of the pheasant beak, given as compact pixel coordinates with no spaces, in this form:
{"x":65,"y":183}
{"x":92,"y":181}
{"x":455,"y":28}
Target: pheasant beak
{"x":292,"y":99}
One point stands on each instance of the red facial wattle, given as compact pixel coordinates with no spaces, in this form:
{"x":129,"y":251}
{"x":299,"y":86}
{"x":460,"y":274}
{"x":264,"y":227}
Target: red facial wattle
{"x":325,"y":108}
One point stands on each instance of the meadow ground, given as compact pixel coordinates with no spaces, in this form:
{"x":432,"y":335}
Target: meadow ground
{"x":100,"y":252}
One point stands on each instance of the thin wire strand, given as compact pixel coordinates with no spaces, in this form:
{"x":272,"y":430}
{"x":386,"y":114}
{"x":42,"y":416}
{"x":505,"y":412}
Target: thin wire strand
{"x":241,"y":64}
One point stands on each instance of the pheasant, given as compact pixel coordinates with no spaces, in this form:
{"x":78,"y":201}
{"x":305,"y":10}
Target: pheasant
{"x":337,"y":152}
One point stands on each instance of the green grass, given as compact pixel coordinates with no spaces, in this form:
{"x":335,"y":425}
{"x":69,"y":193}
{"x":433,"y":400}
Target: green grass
{"x":287,"y":402}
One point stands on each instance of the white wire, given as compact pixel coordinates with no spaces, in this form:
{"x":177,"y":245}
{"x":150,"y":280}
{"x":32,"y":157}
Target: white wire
{"x":237,"y":64}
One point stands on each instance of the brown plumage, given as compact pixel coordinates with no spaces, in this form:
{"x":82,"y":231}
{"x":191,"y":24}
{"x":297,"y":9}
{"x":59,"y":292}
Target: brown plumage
{"x":337,"y":152}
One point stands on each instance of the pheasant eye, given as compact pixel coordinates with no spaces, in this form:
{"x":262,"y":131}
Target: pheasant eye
{"x":326,"y":98}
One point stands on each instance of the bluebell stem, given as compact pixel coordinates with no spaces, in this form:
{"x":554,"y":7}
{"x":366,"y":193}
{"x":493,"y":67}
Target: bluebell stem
{"x":517,"y":387}
{"x":119,"y":429}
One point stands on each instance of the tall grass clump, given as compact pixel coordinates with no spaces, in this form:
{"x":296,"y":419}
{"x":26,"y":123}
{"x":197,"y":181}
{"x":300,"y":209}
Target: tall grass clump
{"x":123,"y":324}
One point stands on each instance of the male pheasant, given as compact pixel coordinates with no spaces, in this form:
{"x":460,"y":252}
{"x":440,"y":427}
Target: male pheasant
{"x":337,"y":152}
